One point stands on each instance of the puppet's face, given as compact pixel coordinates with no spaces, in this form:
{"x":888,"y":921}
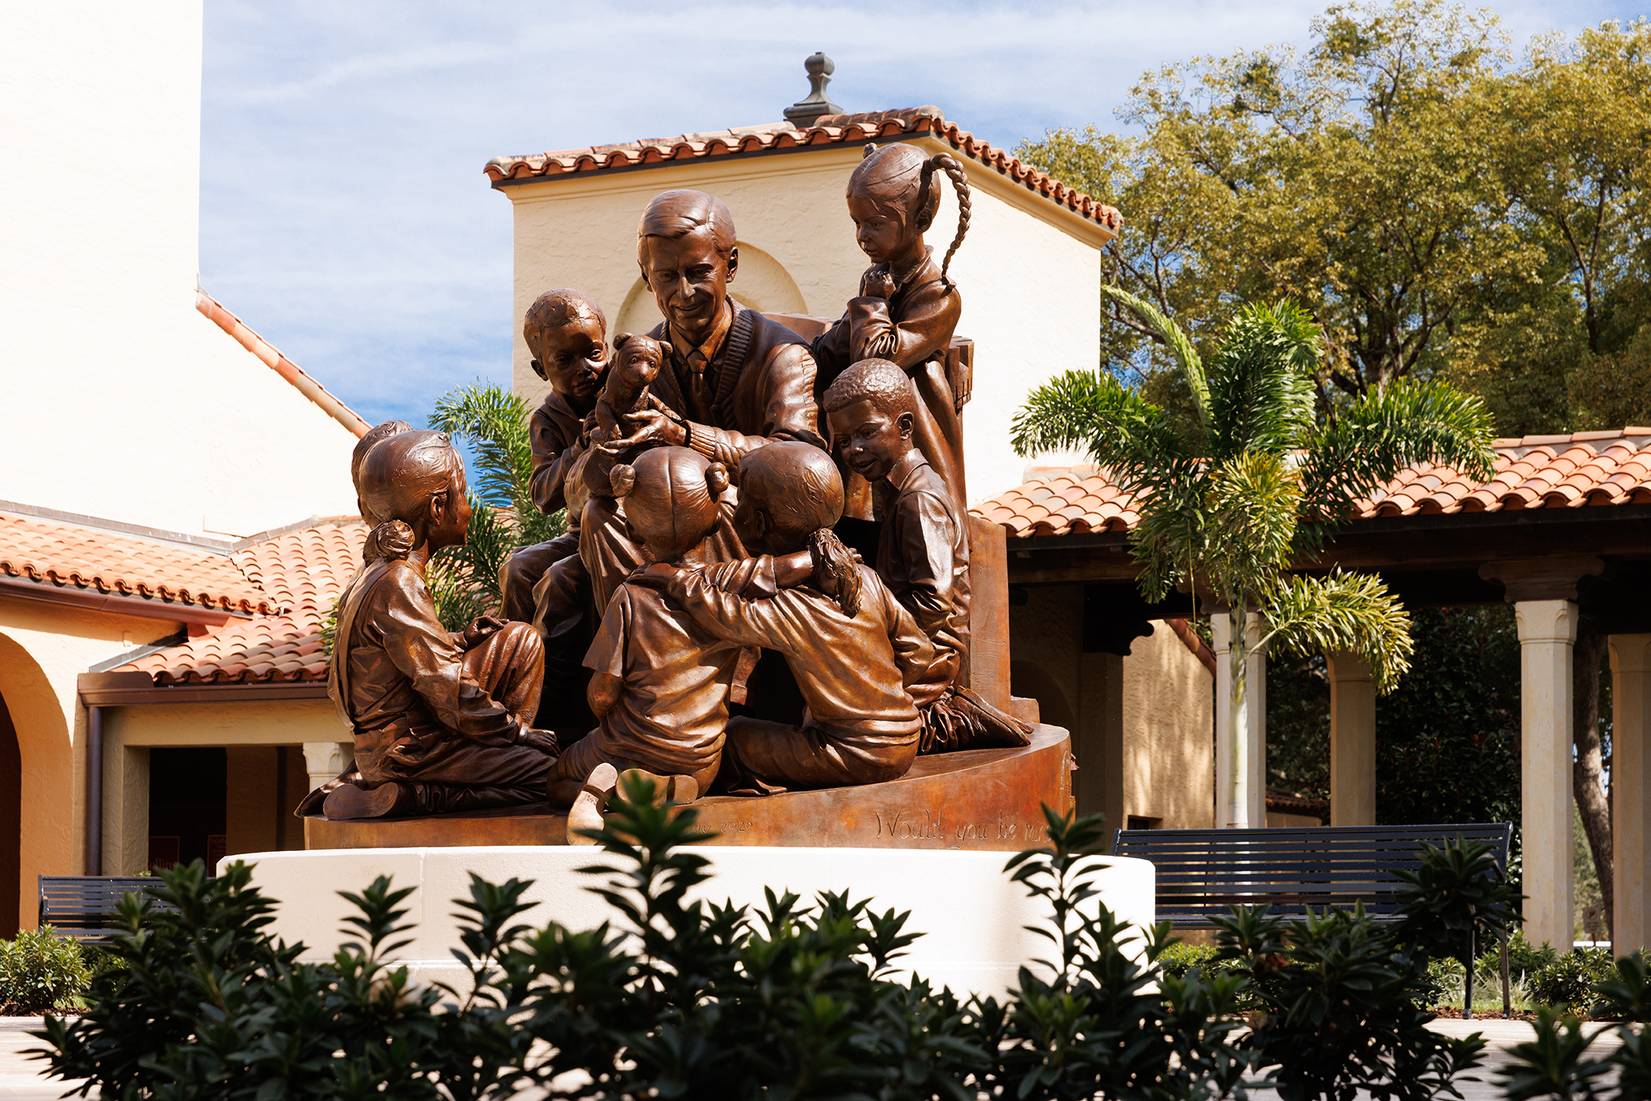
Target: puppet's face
{"x":689,"y":279}
{"x":572,"y":357}
{"x":639,"y":360}
{"x":881,"y":229}
{"x":868,"y":438}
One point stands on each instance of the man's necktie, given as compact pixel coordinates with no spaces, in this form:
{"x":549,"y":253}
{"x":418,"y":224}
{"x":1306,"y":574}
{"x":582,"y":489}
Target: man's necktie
{"x":698,"y":392}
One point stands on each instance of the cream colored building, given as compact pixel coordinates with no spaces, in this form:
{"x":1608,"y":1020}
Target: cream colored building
{"x":145,"y":435}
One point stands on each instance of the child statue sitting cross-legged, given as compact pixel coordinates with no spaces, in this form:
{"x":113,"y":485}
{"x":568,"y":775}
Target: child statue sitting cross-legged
{"x":441,"y":720}
{"x":923,"y":547}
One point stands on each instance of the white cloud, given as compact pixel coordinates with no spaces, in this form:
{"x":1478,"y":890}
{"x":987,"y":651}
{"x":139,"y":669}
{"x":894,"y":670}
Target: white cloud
{"x":344,"y":210}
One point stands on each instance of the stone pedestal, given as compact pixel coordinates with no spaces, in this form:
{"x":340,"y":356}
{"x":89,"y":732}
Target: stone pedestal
{"x":973,"y":799}
{"x":971,"y":915}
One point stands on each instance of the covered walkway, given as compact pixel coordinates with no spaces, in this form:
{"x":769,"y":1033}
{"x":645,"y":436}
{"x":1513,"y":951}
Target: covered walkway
{"x":1562,"y":532}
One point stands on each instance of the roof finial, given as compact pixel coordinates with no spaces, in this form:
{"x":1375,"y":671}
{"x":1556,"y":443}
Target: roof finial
{"x":805,"y":112}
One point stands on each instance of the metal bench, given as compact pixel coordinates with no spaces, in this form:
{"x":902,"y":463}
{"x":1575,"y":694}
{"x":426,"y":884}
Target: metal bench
{"x":85,"y":906}
{"x":1202,"y":874}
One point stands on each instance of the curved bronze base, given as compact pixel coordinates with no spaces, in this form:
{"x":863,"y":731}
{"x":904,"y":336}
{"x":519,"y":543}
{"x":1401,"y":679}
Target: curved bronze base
{"x":973,"y":799}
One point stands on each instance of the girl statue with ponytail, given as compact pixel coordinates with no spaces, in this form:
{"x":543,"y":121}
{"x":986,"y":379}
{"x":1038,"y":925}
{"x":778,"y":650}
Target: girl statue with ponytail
{"x":908,"y":307}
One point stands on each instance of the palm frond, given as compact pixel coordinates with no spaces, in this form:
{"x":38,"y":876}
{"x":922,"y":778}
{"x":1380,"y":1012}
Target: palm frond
{"x":1175,"y":339}
{"x":1093,"y":411}
{"x":495,"y":424}
{"x":1253,"y":504}
{"x":1171,"y":539}
{"x":1373,"y":439}
{"x":1260,"y":382}
{"x":1346,"y":612}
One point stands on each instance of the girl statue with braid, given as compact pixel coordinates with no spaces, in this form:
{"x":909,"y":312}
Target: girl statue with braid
{"x":907,"y":308}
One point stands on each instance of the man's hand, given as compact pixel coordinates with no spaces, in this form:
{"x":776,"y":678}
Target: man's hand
{"x":542,"y":740}
{"x":648,"y":428}
{"x":480,"y":629}
{"x":877,"y":283}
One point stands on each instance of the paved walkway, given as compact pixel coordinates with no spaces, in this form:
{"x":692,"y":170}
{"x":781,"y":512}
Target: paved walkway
{"x":20,"y":1077}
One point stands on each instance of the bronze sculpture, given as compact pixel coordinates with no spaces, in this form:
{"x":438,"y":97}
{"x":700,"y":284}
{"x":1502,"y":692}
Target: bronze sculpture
{"x":441,"y":722}
{"x":701,"y":512}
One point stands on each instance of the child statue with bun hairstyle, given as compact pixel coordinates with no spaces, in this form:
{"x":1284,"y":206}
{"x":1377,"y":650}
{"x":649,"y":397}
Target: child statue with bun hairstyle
{"x":908,"y":307}
{"x":862,"y":664}
{"x":441,"y":721}
{"x":660,"y":685}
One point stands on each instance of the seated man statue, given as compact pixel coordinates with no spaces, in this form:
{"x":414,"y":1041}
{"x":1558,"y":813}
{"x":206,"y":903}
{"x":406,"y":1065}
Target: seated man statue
{"x":441,"y":721}
{"x":735,"y":380}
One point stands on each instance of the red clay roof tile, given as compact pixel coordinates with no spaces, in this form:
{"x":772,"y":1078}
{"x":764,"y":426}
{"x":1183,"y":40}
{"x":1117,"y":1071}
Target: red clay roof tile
{"x":306,"y":568}
{"x":62,"y":553}
{"x":843,"y":129}
{"x":1584,"y":468}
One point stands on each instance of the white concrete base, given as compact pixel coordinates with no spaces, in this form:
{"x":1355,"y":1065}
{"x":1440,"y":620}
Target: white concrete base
{"x":971,"y":914}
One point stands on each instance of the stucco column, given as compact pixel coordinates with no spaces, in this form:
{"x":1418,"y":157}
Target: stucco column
{"x":1547,"y":630}
{"x":1240,"y":784}
{"x":1352,"y":741}
{"x":325,"y":760}
{"x":1631,"y":791}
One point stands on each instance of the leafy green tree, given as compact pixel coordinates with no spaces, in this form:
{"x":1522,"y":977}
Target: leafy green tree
{"x":1232,"y":496}
{"x":492,"y":425}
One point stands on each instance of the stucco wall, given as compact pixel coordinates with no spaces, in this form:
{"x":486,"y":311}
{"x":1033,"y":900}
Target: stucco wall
{"x":1031,"y":302}
{"x":1169,"y":720}
{"x":122,"y":400}
{"x":1141,"y":725}
{"x":43,"y":651}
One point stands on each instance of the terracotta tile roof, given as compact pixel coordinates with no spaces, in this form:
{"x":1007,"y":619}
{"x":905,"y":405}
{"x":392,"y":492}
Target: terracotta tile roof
{"x":829,"y":130}
{"x":303,"y":569}
{"x":1580,"y":470}
{"x":280,"y":364}
{"x":61,"y":553}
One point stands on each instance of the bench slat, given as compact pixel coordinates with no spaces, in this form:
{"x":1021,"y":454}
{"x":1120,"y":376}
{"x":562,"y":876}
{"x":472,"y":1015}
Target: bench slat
{"x":1202,"y":874}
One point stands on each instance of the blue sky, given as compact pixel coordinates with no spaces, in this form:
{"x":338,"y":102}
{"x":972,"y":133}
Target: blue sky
{"x":344,"y":213}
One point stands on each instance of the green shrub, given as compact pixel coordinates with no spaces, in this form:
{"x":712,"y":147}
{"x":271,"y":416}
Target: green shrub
{"x":1339,"y":997}
{"x":1456,"y":901}
{"x":40,"y":972}
{"x":1178,"y":958}
{"x":1444,"y":985}
{"x":1557,"y":1063}
{"x":678,"y":998}
{"x":1571,"y":981}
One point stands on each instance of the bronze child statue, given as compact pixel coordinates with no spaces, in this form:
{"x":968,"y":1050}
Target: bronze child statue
{"x":567,"y":335}
{"x":923,"y":546}
{"x":908,"y":308}
{"x":660,"y":685}
{"x":441,"y":721}
{"x":858,"y":658}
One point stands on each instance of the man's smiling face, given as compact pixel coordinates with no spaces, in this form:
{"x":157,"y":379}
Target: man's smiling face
{"x":689,"y":279}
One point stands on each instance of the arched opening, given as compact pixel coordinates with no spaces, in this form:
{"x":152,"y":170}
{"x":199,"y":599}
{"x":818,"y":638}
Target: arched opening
{"x":762,"y":283}
{"x":45,"y":837}
{"x":11,"y":823}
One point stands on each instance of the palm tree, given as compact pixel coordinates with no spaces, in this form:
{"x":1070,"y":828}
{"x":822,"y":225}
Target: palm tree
{"x":1236,"y":494}
{"x":493,"y":422}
